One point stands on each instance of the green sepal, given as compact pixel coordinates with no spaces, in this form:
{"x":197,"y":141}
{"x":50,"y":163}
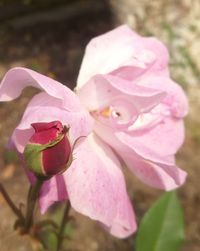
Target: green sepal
{"x":33,"y":155}
{"x":33,"y":158}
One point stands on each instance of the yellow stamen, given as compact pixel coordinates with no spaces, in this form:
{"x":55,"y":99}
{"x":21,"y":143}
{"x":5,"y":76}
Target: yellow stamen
{"x":106,"y":112}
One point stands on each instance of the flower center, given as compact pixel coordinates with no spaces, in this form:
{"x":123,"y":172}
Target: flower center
{"x":120,"y":114}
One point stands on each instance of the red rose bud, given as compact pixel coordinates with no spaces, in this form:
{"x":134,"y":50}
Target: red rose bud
{"x":48,"y":151}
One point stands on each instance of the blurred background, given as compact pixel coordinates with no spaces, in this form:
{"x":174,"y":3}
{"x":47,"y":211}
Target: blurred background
{"x":49,"y":36}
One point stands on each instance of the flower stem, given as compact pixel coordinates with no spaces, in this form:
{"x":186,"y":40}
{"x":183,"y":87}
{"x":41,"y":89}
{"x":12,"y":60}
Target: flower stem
{"x":62,"y":226}
{"x":31,"y":201}
{"x":11,"y":204}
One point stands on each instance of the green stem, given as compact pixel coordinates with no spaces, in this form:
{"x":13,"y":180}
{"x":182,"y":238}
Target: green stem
{"x":7,"y":198}
{"x":31,"y":201}
{"x":65,"y":219}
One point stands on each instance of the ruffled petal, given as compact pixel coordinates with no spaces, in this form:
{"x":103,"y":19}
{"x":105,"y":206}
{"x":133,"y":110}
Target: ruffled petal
{"x":122,"y":49}
{"x":161,"y":176}
{"x":106,"y":53}
{"x":123,"y":143}
{"x":175,"y":97}
{"x":156,"y":170}
{"x":18,"y":78}
{"x":97,"y":189}
{"x":102,"y":89}
{"x":164,"y":139}
{"x":160,"y":50}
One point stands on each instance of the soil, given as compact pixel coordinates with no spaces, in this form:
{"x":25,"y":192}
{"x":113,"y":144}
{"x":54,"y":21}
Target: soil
{"x":56,"y":49}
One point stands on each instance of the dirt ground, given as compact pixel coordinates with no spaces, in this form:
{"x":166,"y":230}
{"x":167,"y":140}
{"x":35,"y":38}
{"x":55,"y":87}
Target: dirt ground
{"x":56,"y":49}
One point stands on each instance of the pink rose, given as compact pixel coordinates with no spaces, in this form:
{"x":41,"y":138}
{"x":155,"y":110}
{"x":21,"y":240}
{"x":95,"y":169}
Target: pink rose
{"x":48,"y":151}
{"x":127,"y":109}
{"x":138,"y":110}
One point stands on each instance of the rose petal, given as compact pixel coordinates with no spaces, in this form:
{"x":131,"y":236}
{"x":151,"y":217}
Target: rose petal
{"x":18,"y":78}
{"x":175,"y":97}
{"x":103,"y":56}
{"x":102,"y":89}
{"x":167,"y":177}
{"x":122,"y":47}
{"x":164,"y":139}
{"x":163,"y":174}
{"x":96,"y":187}
{"x":123,"y":143}
{"x":159,"y":49}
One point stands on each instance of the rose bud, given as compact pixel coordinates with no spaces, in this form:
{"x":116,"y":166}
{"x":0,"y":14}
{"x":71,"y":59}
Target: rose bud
{"x":48,"y":151}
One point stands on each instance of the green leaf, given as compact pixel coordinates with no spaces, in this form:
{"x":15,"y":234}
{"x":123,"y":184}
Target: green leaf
{"x":162,"y":227}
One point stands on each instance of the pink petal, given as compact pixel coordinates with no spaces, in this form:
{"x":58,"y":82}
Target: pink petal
{"x":123,"y":143}
{"x":124,"y":218}
{"x":96,"y":187}
{"x":159,"y":65}
{"x":20,"y":138}
{"x":161,"y":173}
{"x":106,"y":52}
{"x":161,"y":140}
{"x":143,"y":98}
{"x":167,"y":177}
{"x":101,"y":89}
{"x":175,"y":97}
{"x":162,"y":56}
{"x":44,"y":108}
{"x":52,"y":191}
{"x":121,"y":48}
{"x":18,"y":78}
